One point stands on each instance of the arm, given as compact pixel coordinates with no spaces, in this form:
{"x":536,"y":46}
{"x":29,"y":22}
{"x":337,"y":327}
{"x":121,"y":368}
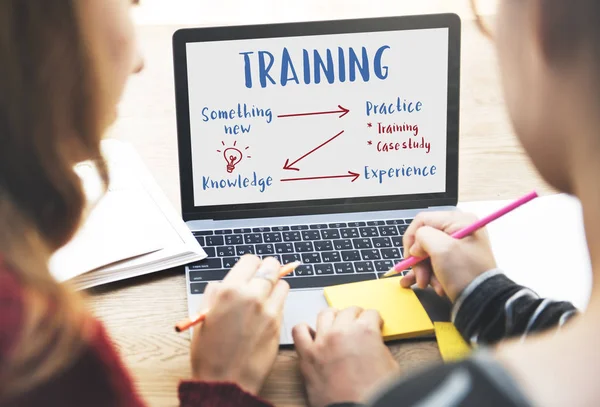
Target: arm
{"x":492,"y":308}
{"x":193,"y":394}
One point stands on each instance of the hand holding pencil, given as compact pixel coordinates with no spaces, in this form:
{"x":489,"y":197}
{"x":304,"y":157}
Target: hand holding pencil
{"x":457,"y":246}
{"x":239,"y":339}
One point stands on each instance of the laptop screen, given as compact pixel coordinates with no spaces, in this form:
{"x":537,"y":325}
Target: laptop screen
{"x":318,"y":117}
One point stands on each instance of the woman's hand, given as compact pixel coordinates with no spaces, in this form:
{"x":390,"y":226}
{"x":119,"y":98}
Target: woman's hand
{"x":345,"y":359}
{"x":453,"y":263}
{"x":239,"y":339}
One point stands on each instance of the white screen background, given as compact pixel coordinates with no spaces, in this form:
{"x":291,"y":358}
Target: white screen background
{"x":418,"y":71}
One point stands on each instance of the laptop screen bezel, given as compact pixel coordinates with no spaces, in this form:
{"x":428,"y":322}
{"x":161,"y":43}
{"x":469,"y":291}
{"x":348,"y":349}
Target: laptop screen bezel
{"x":321,"y":206}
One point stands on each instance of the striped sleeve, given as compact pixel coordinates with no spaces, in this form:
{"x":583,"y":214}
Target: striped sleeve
{"x":493,"y":308}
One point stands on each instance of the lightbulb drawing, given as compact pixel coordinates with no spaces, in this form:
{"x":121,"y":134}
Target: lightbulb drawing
{"x":233,"y":156}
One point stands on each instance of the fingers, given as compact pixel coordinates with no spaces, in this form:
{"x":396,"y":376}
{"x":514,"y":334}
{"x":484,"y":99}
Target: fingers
{"x":347,"y":316}
{"x":447,"y":221}
{"x":243,"y":270}
{"x":372,"y":318}
{"x":434,"y":241}
{"x":408,"y":280}
{"x":437,"y":286}
{"x":325,"y":320}
{"x":276,"y":301}
{"x":266,"y":277}
{"x":422,"y":275}
{"x":302,"y":339}
{"x":208,"y":298}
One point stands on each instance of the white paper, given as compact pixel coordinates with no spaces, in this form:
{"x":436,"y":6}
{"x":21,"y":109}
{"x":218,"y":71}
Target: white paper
{"x":542,"y":245}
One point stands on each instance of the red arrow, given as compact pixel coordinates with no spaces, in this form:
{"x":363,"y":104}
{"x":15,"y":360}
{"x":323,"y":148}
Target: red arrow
{"x":288,"y":164}
{"x":351,"y":174}
{"x":342,"y":110}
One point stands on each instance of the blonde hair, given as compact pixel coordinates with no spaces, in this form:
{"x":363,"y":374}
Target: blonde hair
{"x":50,"y":119}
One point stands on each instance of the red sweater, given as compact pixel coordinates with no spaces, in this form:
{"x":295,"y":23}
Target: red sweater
{"x":98,"y":377}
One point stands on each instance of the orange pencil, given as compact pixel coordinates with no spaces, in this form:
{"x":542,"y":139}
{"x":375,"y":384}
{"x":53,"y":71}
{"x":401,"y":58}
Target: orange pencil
{"x":188,"y":323}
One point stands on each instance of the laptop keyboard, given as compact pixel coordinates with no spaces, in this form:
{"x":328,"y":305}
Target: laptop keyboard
{"x":334,"y":253}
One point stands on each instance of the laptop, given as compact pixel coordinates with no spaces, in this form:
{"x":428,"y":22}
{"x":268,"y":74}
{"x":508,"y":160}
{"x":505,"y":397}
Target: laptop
{"x":316,"y":141}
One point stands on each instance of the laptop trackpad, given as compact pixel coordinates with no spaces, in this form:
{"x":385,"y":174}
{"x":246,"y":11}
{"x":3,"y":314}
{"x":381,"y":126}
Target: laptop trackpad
{"x":301,"y":307}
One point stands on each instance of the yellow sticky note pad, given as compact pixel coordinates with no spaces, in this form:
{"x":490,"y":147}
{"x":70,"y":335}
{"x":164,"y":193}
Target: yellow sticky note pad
{"x":451,"y":343}
{"x":402,"y":312}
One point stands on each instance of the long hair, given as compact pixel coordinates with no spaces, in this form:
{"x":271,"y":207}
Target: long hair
{"x":50,"y":119}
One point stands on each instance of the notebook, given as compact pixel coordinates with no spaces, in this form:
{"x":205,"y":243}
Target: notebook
{"x":402,"y":313}
{"x":131,"y":231}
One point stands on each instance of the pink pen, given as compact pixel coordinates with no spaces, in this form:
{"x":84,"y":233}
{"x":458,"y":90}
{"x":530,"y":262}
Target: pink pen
{"x":411,"y":261}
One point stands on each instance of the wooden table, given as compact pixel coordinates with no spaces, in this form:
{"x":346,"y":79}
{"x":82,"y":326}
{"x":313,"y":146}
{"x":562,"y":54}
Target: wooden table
{"x":140,"y":313}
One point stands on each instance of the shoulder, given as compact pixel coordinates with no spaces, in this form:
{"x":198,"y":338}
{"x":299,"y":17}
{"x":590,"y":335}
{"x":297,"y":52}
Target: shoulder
{"x":11,"y":309}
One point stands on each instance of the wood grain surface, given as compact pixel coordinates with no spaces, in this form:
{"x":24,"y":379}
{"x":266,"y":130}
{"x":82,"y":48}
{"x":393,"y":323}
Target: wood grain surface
{"x":140,"y":313}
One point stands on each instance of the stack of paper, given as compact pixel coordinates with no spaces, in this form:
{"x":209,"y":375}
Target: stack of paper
{"x":132,"y":230}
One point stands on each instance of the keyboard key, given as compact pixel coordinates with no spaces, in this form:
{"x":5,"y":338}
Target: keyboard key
{"x":290,"y":258}
{"x":344,"y":244}
{"x":371,"y":254}
{"x":326,"y":281}
{"x":322,"y":269}
{"x":234,"y":239}
{"x":311,"y":258}
{"x":330,"y":234}
{"x":244,"y":249}
{"x":364,"y":267}
{"x":383,"y":265}
{"x":311,"y":235}
{"x":395,"y":222}
{"x":390,"y":253}
{"x":229,"y":262}
{"x":284,"y":248}
{"x":337,"y":225}
{"x":388,"y":231}
{"x":253,"y":238}
{"x":349,"y":233}
{"x":200,"y":240}
{"x":408,"y":221}
{"x":319,"y":226}
{"x":369,"y":232}
{"x":299,"y":227}
{"x":215,"y":241}
{"x":304,"y":270}
{"x":214,"y":263}
{"x":323,"y":245}
{"x":261,"y":229}
{"x":208,"y":275}
{"x":362,"y":243}
{"x":210,"y":251}
{"x":343,"y":268}
{"x":380,"y":242}
{"x":279,"y":228}
{"x":375,"y":223}
{"x":244,"y":230}
{"x":402,"y":228}
{"x":223,"y":251}
{"x":350,"y":255}
{"x":272,"y":237}
{"x":203,"y":233}
{"x":198,"y":288}
{"x":356,"y":224}
{"x":291,"y":236}
{"x":330,"y":257}
{"x":302,"y":247}
{"x":397,"y":241}
{"x":264,"y":249}
{"x":223,"y":232}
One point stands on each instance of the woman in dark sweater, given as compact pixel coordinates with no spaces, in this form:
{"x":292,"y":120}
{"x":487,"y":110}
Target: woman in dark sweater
{"x":63,"y":67}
